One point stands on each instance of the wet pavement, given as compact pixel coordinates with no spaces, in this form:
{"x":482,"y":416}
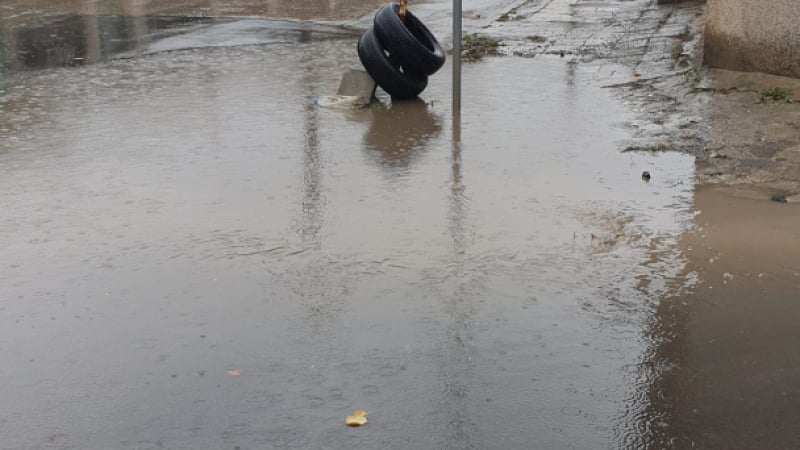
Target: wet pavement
{"x":178,"y":207}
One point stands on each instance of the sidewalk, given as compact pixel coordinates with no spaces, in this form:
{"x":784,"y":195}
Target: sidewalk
{"x":652,"y":56}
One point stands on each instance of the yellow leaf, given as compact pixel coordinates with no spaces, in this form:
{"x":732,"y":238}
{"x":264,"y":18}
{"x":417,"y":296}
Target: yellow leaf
{"x":358,"y":418}
{"x":234,"y":373}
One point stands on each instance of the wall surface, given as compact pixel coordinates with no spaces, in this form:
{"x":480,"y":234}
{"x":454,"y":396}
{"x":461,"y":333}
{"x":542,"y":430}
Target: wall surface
{"x":754,"y":36}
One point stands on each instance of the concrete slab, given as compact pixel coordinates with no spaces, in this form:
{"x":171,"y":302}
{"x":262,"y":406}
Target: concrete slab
{"x":357,"y":83}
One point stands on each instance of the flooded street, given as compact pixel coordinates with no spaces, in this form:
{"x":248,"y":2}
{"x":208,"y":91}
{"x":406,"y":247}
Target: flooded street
{"x":193,"y":255}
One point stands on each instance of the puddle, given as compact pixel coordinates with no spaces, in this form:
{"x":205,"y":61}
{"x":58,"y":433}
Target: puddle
{"x":65,"y":41}
{"x":725,"y":356}
{"x":398,"y":135}
{"x":471,"y":283}
{"x":240,"y":33}
{"x":80,"y":40}
{"x":22,"y":10}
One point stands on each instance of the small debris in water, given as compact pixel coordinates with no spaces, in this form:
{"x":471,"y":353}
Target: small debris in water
{"x":775,"y":95}
{"x":727,"y":276}
{"x":475,"y":47}
{"x":234,"y":373}
{"x":342,"y":101}
{"x":646,"y":176}
{"x":357,"y":419}
{"x":780,"y":198}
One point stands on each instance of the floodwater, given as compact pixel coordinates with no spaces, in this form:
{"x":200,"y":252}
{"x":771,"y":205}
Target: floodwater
{"x":176,"y":207}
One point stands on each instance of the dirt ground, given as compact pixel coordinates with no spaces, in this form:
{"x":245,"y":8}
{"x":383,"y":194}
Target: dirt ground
{"x":753,"y":141}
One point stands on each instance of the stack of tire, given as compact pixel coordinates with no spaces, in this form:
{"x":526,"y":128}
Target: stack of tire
{"x":400,"y":55}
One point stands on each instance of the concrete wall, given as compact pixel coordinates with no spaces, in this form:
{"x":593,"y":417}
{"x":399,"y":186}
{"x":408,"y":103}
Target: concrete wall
{"x":754,"y":36}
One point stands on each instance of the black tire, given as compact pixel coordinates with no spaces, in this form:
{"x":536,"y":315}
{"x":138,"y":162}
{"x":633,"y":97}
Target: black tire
{"x":410,"y":41}
{"x":386,"y":71}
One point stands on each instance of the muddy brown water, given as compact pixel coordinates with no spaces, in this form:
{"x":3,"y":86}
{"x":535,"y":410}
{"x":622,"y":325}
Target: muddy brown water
{"x":495,"y":279}
{"x":726,"y":362}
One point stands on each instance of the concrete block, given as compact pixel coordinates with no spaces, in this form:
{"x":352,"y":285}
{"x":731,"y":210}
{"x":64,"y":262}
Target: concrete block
{"x":357,"y":83}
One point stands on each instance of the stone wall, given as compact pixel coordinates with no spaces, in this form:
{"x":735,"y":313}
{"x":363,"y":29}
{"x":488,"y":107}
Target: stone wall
{"x":754,"y":36}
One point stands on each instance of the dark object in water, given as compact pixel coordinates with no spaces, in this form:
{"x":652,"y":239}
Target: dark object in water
{"x":780,"y":198}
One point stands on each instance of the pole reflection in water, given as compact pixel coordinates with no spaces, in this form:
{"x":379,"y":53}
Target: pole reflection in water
{"x":313,"y":199}
{"x":457,"y":191}
{"x":458,"y":353}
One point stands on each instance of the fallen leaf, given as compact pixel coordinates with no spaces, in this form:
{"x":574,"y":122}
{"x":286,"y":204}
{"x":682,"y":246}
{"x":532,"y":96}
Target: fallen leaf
{"x":358,"y":418}
{"x":234,"y":373}
{"x":637,"y":74}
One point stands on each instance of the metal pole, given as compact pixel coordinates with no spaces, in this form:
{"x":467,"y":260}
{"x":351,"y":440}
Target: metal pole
{"x":456,"y":56}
